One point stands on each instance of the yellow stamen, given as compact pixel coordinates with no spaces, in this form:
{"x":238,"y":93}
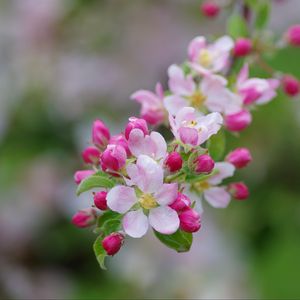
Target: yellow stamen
{"x":201,"y":186}
{"x":197,"y":99}
{"x":205,"y":58}
{"x":147,"y":201}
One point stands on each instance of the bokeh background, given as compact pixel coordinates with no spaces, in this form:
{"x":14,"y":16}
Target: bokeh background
{"x":64,"y":63}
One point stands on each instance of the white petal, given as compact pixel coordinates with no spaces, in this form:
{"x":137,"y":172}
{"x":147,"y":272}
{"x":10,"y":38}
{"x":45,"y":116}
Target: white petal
{"x":135,"y":223}
{"x":164,"y":219}
{"x":159,"y":145}
{"x":174,"y":103}
{"x":224,"y":169}
{"x":121,"y":198}
{"x":167,"y":194}
{"x":224,"y":43}
{"x":217,"y":197}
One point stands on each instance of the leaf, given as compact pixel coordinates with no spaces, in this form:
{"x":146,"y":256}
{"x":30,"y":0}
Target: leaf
{"x":216,"y":145}
{"x":109,"y":222}
{"x":179,"y":241}
{"x":236,"y":26}
{"x":262,"y":15}
{"x":94,"y":181}
{"x":198,"y":178}
{"x":100,"y":253}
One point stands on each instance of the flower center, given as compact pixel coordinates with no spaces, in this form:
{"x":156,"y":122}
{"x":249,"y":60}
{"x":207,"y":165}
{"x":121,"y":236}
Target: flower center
{"x":201,"y":186}
{"x":147,"y":201}
{"x":197,"y":99}
{"x":205,"y":58}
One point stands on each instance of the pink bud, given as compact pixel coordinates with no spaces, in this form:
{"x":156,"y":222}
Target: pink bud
{"x":113,"y":158}
{"x":204,"y":164}
{"x":84,"y":218}
{"x":100,"y":200}
{"x":135,"y":123}
{"x":240,"y":157}
{"x":238,"y":121}
{"x":113,"y":243}
{"x":293,"y":35}
{"x":100,"y":134}
{"x":120,"y":140}
{"x":242,"y":47}
{"x":210,"y":9}
{"x":239,"y":190}
{"x":91,"y":155}
{"x":154,"y":117}
{"x":80,"y":175}
{"x":181,"y":202}
{"x":174,"y":161}
{"x":189,"y":220}
{"x":291,"y":85}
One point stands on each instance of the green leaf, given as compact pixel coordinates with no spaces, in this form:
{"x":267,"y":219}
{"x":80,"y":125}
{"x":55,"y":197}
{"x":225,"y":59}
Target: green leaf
{"x":216,"y":145}
{"x":100,"y":253}
{"x":94,"y":181}
{"x":109,"y":222}
{"x":236,"y":26}
{"x":198,"y":178}
{"x":179,"y":241}
{"x":262,"y":15}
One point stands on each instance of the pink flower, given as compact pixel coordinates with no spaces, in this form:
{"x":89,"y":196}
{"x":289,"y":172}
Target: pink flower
{"x":153,"y":145}
{"x":113,"y":158}
{"x":135,"y":123}
{"x":204,"y":164}
{"x":182,"y":202}
{"x":100,"y":200}
{"x":152,"y":105}
{"x":154,"y":197}
{"x":238,"y":190}
{"x":293,"y":35}
{"x":189,"y":220}
{"x":81,"y":175}
{"x":255,"y":90}
{"x":210,"y":58}
{"x":240,"y":157}
{"x":210,"y":93}
{"x":291,"y":85}
{"x":100,"y":134}
{"x":120,"y":140}
{"x":174,"y":161}
{"x":84,"y":218}
{"x":242,"y":47}
{"x":238,"y":121}
{"x":113,"y":243}
{"x":192,"y":128}
{"x":91,"y":155}
{"x":210,"y":9}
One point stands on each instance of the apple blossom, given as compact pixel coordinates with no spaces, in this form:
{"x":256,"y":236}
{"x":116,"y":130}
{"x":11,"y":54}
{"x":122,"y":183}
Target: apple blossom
{"x":242,"y":47}
{"x":181,"y":202}
{"x":81,"y":175}
{"x":189,"y":220}
{"x":91,"y":155}
{"x":210,"y":9}
{"x":238,"y":121}
{"x":100,"y":200}
{"x":238,"y":190}
{"x":174,"y":161}
{"x":100,"y":134}
{"x":240,"y":157}
{"x":113,"y":243}
{"x":113,"y":158}
{"x":291,"y":85}
{"x":135,"y":123}
{"x":204,"y":164}
{"x":84,"y":218}
{"x":293,"y":35}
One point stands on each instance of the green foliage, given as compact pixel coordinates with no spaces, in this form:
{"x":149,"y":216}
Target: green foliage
{"x":236,"y":26}
{"x":100,"y":252}
{"x":262,"y":14}
{"x":109,"y":222}
{"x":216,"y":145}
{"x":179,"y":241}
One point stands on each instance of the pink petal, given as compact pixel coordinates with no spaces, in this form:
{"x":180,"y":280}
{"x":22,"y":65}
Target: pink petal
{"x":224,"y":44}
{"x":159,"y":145}
{"x":146,"y":98}
{"x":174,"y":103}
{"x":164,"y":219}
{"x":189,"y":135}
{"x":195,"y":46}
{"x":217,"y":197}
{"x":135,"y":223}
{"x":121,"y":198}
{"x":243,"y":75}
{"x":224,"y":169}
{"x":167,"y":194}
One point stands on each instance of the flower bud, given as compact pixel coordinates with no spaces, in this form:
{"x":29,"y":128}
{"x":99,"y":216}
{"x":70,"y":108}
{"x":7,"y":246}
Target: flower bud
{"x":135,"y":123}
{"x":113,"y":158}
{"x":238,"y":190}
{"x":100,"y":134}
{"x":174,"y":161}
{"x":100,"y":200}
{"x":189,"y":220}
{"x":84,"y":218}
{"x":181,"y":202}
{"x":290,"y":85}
{"x":238,"y":121}
{"x":80,"y":175}
{"x":240,"y":157}
{"x":242,"y":47}
{"x":120,"y":140}
{"x":113,"y":243}
{"x":91,"y":155}
{"x":293,"y":35}
{"x":204,"y":164}
{"x":210,"y":9}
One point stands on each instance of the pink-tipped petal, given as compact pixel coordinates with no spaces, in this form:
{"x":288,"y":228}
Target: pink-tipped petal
{"x":217,"y":197}
{"x":135,"y":223}
{"x":189,"y":136}
{"x":167,"y":194}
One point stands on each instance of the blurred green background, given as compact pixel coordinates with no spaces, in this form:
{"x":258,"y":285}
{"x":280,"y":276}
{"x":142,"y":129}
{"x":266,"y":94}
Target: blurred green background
{"x":64,"y":63}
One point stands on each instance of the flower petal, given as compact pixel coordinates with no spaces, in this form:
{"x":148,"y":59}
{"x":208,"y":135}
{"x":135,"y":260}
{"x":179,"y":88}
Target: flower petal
{"x":167,"y":194}
{"x":121,"y":198}
{"x":159,"y":145}
{"x":164,"y":219}
{"x":224,"y":169}
{"x":174,"y":103}
{"x":135,"y":223}
{"x":217,"y":197}
{"x":189,"y":136}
